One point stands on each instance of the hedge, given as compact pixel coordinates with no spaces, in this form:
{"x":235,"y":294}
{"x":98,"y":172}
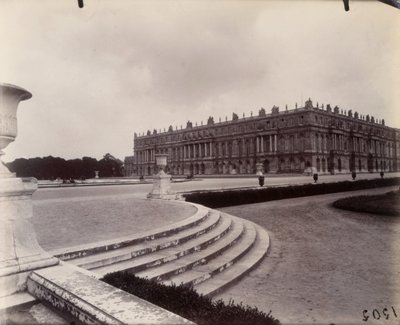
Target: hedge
{"x":183,"y":300}
{"x":223,"y":198}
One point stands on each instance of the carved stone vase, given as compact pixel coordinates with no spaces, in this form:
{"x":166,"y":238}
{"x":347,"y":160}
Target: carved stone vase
{"x":161,"y":181}
{"x":20,"y":252}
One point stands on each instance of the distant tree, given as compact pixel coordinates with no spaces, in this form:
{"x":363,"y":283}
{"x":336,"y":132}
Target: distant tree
{"x":89,"y":166}
{"x":20,"y":167}
{"x":74,"y":168}
{"x":110,"y":166}
{"x":51,"y":168}
{"x":54,"y":167}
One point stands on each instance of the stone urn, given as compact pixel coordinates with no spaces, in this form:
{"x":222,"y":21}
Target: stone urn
{"x":260,"y":174}
{"x":10,"y":96}
{"x":20,"y":252}
{"x":259,"y":169}
{"x":161,"y":162}
{"x":161,"y":181}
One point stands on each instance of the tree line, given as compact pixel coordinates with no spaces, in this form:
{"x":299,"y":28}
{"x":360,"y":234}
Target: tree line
{"x":55,"y":167}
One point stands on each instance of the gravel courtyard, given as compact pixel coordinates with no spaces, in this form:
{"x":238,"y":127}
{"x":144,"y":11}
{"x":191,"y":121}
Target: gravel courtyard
{"x":72,"y":221}
{"x":325,"y":266}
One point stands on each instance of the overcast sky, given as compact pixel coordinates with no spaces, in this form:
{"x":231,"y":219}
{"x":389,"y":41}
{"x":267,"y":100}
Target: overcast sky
{"x":101,"y":73}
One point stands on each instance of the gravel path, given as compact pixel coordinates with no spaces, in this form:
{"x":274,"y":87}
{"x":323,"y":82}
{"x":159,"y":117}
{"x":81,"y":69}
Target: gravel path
{"x":325,"y":266}
{"x":73,"y":221}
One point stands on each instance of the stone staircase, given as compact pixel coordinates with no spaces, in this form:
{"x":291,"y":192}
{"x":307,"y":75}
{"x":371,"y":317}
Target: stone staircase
{"x":210,"y":250}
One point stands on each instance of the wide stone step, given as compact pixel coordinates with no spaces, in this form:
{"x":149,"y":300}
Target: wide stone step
{"x":209,"y":250}
{"x":231,"y":275}
{"x":201,"y":257}
{"x":103,"y":246}
{"x":91,"y":301}
{"x":220,"y":263}
{"x":147,"y":247}
{"x":158,"y":258}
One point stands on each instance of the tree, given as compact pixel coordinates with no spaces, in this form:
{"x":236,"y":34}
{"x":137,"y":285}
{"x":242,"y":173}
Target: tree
{"x":110,"y":166}
{"x":55,"y":167}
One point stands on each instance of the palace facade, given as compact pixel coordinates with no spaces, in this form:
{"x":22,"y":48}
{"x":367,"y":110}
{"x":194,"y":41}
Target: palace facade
{"x":304,"y":139}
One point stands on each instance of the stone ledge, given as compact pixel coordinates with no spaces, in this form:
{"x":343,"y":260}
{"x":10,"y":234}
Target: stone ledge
{"x":92,"y":301}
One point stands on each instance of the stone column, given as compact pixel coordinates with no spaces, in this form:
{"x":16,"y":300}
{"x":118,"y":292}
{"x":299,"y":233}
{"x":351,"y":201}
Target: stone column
{"x":276,"y":142}
{"x":20,"y":252}
{"x":262,"y":143}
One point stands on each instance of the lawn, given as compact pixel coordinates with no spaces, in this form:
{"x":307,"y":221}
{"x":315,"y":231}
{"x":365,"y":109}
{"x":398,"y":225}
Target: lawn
{"x":383,"y":204}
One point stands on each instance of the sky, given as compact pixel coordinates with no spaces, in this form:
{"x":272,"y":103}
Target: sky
{"x":101,"y":73}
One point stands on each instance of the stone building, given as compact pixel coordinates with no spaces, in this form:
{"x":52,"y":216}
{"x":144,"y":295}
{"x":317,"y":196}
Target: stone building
{"x":129,"y":166}
{"x":305,"y":139}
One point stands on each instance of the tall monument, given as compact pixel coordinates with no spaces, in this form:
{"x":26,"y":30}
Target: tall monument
{"x":20,"y":252}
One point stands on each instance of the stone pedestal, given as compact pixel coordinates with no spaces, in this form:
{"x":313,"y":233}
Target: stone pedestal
{"x":20,"y":252}
{"x":162,"y":187}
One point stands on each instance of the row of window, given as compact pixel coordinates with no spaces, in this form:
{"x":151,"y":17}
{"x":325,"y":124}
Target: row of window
{"x":247,"y":128}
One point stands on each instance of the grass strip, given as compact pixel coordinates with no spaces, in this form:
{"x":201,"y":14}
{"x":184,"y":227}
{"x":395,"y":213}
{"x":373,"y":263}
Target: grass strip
{"x":384,"y":204}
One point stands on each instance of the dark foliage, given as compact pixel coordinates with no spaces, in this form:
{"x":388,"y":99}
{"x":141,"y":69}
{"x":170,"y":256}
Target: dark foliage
{"x":186,"y":302}
{"x":55,"y":167}
{"x":384,"y":204}
{"x":217,"y":199}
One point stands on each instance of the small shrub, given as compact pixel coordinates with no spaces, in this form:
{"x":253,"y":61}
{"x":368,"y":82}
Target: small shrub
{"x":183,"y":300}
